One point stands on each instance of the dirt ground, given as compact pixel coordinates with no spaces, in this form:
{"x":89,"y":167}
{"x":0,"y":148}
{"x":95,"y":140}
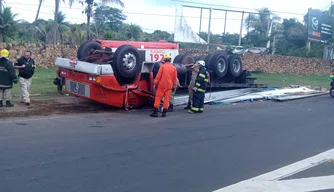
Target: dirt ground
{"x":54,"y":106}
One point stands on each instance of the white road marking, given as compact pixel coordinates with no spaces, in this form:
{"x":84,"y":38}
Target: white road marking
{"x":270,"y":181}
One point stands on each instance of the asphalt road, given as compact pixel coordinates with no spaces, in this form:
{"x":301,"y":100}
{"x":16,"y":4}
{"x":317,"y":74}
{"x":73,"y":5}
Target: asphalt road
{"x":131,"y":152}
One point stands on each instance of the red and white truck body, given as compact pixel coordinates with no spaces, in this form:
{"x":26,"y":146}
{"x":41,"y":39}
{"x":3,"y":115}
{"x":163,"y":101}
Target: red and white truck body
{"x":98,"y":82}
{"x":121,"y":73}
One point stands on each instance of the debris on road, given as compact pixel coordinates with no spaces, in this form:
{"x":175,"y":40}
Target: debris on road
{"x":274,"y":94}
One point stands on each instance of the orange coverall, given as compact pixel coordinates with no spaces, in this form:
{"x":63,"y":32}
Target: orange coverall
{"x":165,"y":80}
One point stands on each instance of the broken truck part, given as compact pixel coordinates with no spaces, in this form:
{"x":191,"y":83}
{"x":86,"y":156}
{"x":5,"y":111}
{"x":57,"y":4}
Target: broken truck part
{"x":121,"y":73}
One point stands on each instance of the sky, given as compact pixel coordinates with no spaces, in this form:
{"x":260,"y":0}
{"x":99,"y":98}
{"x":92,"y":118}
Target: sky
{"x":160,"y":14}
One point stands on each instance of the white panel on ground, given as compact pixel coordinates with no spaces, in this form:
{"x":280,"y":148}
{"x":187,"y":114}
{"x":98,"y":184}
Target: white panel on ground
{"x":182,"y":31}
{"x":276,"y":95}
{"x":214,"y":96}
{"x":272,"y":181}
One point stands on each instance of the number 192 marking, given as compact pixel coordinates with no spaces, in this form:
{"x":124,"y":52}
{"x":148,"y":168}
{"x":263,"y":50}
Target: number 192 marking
{"x":157,"y":57}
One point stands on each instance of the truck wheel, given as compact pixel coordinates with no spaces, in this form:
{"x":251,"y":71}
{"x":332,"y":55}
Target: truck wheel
{"x":79,"y":55}
{"x":207,"y":61}
{"x":219,"y":65}
{"x":187,"y":59}
{"x":87,"y":48}
{"x":178,"y":58}
{"x":235,"y":65}
{"x":127,"y":61}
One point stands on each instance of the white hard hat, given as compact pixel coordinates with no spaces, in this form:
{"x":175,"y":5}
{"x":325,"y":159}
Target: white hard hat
{"x":200,"y":63}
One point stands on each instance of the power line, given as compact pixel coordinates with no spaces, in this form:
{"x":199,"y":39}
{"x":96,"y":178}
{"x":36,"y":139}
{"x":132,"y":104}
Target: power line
{"x":84,"y":19}
{"x":215,"y":5}
{"x":150,"y":14}
{"x":164,"y":15}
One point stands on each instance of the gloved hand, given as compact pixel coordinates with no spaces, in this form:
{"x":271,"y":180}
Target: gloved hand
{"x":195,"y":89}
{"x":15,"y":81}
{"x":173,"y":89}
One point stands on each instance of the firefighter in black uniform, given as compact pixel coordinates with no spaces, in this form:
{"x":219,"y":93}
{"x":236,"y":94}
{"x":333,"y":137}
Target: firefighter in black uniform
{"x":201,"y":84}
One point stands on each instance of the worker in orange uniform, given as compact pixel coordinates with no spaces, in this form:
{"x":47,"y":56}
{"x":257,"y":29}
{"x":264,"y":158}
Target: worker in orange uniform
{"x":165,"y":82}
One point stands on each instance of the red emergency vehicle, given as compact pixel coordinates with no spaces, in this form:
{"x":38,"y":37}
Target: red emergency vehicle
{"x":121,"y":73}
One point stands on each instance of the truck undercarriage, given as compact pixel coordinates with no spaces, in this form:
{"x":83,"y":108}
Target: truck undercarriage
{"x":121,"y":73}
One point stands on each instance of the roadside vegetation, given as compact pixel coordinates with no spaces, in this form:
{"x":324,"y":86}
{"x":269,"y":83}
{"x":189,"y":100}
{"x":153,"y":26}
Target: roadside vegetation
{"x":106,"y":22}
{"x":42,"y":84}
{"x":283,"y":80}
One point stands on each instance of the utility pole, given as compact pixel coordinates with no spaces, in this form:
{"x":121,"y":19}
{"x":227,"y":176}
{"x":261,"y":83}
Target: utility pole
{"x":200,"y":22}
{"x":225,"y":22}
{"x":209,"y":31}
{"x":240,"y":35}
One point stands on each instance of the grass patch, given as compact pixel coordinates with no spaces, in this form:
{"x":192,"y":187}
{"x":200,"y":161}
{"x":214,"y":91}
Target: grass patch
{"x":282,"y":80}
{"x":42,"y":84}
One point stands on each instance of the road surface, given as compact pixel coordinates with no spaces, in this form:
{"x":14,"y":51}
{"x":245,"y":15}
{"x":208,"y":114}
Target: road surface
{"x":131,"y":152}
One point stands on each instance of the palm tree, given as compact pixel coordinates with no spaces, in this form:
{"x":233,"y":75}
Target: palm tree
{"x":45,"y":30}
{"x":132,"y":31}
{"x":55,"y":25}
{"x":260,"y":21}
{"x":7,"y":23}
{"x":63,"y":26}
{"x":78,"y":33}
{"x":89,"y":11}
{"x":39,"y":8}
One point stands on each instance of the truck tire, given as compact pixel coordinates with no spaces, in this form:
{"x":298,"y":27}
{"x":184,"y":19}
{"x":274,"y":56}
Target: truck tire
{"x":219,"y":65}
{"x":187,"y":59}
{"x":127,"y":61}
{"x":207,"y":61}
{"x":79,"y":53}
{"x":178,"y":58}
{"x":234,"y":65}
{"x":87,"y":48}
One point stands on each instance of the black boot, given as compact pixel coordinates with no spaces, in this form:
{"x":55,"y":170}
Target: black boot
{"x":188,"y":106}
{"x":164,"y":113}
{"x":155,"y":113}
{"x":1,"y":104}
{"x":170,"y":108}
{"x":8,"y":104}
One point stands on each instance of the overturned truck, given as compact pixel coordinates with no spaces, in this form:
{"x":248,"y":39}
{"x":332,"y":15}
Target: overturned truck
{"x":121,"y":73}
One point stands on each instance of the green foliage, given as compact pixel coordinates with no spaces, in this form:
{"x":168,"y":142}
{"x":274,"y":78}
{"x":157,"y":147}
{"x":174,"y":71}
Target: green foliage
{"x":111,"y":17}
{"x":8,"y":24}
{"x":109,"y":23}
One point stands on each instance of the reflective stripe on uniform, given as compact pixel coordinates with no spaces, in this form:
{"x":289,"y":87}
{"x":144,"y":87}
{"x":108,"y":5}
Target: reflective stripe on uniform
{"x":206,"y":80}
{"x":201,"y":90}
{"x":198,"y":84}
{"x":201,"y":109}
{"x":3,"y":69}
{"x":202,"y":75}
{"x":195,"y":109}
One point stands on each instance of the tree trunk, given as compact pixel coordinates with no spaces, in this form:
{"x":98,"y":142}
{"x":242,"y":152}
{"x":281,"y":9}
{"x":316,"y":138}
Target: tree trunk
{"x":89,"y":10}
{"x":55,"y":27}
{"x":38,"y":10}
